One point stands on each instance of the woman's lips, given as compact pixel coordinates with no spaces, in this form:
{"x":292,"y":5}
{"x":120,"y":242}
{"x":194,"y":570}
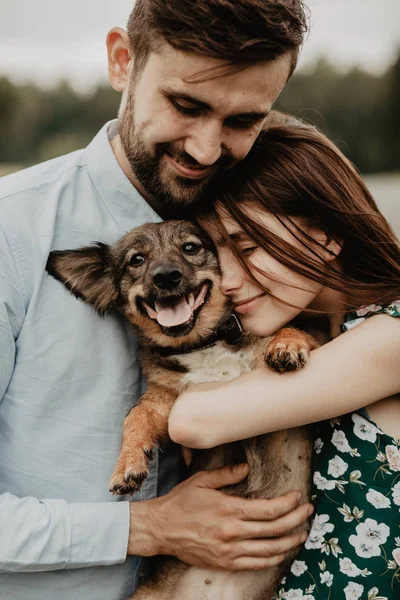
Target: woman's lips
{"x":247,"y":305}
{"x":187,"y":171}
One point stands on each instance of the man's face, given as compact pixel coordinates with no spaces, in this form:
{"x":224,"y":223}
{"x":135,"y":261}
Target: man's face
{"x":179,"y":135}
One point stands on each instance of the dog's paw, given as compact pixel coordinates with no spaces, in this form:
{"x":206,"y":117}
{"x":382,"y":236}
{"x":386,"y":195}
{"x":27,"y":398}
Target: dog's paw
{"x":130,"y":471}
{"x":284,"y":356}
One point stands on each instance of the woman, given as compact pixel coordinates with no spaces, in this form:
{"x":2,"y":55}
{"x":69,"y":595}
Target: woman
{"x":301,"y":240}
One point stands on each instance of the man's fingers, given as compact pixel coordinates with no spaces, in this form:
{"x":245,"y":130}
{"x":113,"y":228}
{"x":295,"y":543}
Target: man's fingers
{"x":277,"y":527}
{"x":247,"y":563}
{"x":255,"y":509}
{"x":269,"y":548}
{"x":218,"y":478}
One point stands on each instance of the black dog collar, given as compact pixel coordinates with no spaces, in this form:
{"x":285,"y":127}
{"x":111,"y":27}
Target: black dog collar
{"x":230,"y":332}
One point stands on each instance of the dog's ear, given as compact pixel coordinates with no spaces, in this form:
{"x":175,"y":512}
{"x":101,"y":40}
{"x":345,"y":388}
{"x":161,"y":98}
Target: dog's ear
{"x":87,"y":273}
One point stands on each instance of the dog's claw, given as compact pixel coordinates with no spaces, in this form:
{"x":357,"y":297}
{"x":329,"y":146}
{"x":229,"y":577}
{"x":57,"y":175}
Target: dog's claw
{"x":130,"y":472}
{"x":131,"y":485}
{"x":286,"y":359}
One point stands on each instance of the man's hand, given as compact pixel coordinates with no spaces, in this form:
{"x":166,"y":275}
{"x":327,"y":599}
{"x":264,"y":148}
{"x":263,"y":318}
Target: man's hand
{"x":206,"y":528}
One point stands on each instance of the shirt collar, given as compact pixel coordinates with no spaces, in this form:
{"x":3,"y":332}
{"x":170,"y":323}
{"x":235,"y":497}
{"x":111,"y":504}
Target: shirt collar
{"x":125,"y":203}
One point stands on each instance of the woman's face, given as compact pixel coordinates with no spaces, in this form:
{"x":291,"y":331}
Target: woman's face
{"x":259,"y":311}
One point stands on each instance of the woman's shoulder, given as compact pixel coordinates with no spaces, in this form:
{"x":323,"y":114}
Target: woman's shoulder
{"x":358,"y":316}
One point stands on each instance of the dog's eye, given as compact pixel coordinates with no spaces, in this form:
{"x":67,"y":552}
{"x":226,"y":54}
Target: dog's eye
{"x":137,"y":260}
{"x":191,"y":248}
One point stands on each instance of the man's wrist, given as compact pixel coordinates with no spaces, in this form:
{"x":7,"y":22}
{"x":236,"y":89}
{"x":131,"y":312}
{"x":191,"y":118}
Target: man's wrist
{"x":145,"y":534}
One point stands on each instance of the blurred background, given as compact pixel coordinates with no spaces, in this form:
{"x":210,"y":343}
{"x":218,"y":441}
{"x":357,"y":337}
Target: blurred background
{"x":54,"y":94}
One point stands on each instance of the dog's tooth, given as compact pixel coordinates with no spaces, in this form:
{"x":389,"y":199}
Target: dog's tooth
{"x":191,"y":299}
{"x":152,"y":313}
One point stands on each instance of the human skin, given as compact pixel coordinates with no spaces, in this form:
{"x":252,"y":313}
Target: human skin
{"x":160,"y":111}
{"x":189,"y":130}
{"x":355,"y":370}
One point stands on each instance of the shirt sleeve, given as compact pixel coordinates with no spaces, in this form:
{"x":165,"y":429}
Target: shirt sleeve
{"x":42,"y":535}
{"x":46,"y":535}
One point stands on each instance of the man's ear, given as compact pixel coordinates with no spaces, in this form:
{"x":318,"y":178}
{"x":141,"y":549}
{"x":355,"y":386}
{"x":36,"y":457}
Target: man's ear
{"x":87,"y":273}
{"x":120,"y":60}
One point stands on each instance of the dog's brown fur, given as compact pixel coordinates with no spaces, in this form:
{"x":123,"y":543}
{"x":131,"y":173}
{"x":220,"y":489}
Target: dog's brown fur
{"x":122,"y":277}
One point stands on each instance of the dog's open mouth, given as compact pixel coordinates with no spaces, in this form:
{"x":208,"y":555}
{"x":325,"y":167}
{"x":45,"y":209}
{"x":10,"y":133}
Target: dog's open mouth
{"x":176,"y":311}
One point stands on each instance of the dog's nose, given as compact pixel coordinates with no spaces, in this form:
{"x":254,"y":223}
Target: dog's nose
{"x":167,"y":277}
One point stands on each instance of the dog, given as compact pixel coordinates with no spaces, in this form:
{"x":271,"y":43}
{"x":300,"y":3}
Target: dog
{"x":165,"y":279}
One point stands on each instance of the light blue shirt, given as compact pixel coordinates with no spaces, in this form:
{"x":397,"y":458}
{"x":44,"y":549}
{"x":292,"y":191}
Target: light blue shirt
{"x":67,"y":380}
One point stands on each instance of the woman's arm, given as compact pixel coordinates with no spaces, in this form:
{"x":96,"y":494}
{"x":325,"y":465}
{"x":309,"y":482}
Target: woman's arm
{"x":353,"y":371}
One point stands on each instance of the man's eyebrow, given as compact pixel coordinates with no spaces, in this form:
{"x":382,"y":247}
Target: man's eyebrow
{"x":171,"y":93}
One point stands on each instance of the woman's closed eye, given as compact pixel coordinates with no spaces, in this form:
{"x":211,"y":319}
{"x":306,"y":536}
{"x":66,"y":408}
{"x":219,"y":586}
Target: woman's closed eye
{"x":247,"y":250}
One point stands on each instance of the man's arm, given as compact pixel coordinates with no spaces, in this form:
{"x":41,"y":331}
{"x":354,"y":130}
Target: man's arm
{"x":41,"y":535}
{"x":353,"y":371}
{"x":48,"y":535}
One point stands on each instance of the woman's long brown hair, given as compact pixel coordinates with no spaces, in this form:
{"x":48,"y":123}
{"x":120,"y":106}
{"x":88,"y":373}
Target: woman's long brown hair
{"x":295,"y":171}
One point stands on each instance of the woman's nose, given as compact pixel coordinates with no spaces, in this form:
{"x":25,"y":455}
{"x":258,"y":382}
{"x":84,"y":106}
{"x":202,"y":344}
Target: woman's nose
{"x":232,"y":277}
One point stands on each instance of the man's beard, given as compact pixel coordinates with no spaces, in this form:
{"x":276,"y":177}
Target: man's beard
{"x":177,"y":191}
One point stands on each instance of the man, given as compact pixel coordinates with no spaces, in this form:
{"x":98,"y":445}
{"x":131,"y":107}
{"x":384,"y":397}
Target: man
{"x":198,"y":80}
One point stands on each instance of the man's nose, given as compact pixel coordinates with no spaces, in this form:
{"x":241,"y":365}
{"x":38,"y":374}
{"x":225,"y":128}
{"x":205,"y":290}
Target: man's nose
{"x":204,"y":143}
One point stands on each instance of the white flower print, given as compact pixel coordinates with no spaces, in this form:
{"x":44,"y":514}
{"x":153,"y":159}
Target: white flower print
{"x":318,"y":444}
{"x":348,"y":567}
{"x":393,"y":456}
{"x":370,"y":535}
{"x":396,"y":555}
{"x":395,"y":304}
{"x":319,"y":528}
{"x":337,"y":467}
{"x":294,"y":594}
{"x":364,"y":310}
{"x":353,"y":590}
{"x":373,"y":594}
{"x":298,"y":567}
{"x":322,"y":483}
{"x":377,"y":499}
{"x":363,"y":429}
{"x":353,"y":323}
{"x":340,"y":441}
{"x":327,"y":578}
{"x":396,"y":494}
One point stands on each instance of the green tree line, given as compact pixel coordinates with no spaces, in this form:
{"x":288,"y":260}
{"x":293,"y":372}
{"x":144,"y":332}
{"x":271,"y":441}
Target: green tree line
{"x":358,"y":110}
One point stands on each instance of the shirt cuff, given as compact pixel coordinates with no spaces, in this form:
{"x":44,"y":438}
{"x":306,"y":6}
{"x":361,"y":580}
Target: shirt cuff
{"x":99,"y":534}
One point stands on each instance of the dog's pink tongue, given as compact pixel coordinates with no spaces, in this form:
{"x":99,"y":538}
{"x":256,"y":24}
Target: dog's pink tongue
{"x":171,"y":316}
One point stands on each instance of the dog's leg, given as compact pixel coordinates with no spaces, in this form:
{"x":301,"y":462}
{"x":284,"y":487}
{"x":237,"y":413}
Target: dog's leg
{"x":144,"y":427}
{"x":289,"y":350}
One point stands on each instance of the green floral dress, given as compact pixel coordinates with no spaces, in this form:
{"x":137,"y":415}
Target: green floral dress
{"x":353,"y":549}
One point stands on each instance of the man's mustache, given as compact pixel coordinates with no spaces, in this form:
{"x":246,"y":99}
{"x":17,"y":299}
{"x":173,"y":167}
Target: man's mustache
{"x":224,"y":162}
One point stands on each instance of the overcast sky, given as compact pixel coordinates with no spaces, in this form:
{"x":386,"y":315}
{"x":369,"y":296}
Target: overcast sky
{"x":45,"y":40}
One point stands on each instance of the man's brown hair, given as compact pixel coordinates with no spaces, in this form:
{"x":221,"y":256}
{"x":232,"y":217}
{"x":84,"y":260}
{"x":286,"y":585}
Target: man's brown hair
{"x":238,"y":31}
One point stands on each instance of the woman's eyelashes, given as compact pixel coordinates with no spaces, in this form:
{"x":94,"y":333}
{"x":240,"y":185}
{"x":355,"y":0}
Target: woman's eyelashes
{"x":247,"y":250}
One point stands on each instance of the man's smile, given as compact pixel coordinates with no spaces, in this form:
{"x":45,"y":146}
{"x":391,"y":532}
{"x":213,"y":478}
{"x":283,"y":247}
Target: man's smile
{"x":192,"y":172}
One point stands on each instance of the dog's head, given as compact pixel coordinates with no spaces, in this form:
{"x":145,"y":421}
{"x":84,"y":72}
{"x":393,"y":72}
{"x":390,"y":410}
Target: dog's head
{"x":163,"y":277}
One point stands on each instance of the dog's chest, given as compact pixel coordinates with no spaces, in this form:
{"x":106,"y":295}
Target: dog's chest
{"x":217,"y":363}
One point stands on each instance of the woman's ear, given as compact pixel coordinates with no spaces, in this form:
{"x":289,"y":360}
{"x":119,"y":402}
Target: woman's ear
{"x":120,"y":59}
{"x":333,"y":248}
